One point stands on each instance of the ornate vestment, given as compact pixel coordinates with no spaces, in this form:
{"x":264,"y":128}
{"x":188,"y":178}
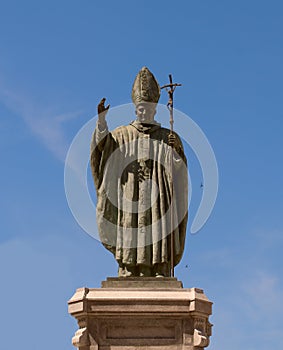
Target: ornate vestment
{"x":132,"y":171}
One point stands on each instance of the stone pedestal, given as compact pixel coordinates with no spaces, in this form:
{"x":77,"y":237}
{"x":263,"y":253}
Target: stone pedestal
{"x":141,"y":313}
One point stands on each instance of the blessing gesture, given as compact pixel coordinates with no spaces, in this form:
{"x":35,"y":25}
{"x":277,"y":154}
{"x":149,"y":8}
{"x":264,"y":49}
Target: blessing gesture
{"x":102,"y":110}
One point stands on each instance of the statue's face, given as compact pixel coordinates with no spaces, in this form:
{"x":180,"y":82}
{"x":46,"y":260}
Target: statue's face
{"x":145,"y":112}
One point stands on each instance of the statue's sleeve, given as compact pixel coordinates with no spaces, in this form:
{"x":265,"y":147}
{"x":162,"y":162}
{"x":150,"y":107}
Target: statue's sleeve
{"x":179,"y":157}
{"x":180,"y":172}
{"x":102,"y":145}
{"x":99,"y":136}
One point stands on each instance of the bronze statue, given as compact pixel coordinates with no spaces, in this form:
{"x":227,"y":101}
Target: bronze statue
{"x":139,"y":181}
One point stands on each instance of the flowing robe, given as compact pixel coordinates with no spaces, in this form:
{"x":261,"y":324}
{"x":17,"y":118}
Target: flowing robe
{"x":132,"y":168}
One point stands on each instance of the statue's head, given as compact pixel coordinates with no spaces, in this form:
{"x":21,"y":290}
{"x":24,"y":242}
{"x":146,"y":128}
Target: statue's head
{"x":145,"y":95}
{"x":145,"y":112}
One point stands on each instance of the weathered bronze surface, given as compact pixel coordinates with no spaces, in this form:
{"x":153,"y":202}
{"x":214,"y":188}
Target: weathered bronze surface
{"x":145,"y":228}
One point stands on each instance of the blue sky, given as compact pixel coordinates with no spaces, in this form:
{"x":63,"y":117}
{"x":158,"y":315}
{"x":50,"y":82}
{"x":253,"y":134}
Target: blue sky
{"x":57,"y":59}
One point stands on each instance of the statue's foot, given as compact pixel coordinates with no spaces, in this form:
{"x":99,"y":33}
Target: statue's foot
{"x":127,"y":271}
{"x":145,"y":271}
{"x":161,"y":270}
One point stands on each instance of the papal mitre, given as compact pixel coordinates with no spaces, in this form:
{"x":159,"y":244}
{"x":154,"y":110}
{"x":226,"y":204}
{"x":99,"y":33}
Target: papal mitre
{"x":145,"y":87}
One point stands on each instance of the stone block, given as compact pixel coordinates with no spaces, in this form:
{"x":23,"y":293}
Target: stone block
{"x":141,"y":313}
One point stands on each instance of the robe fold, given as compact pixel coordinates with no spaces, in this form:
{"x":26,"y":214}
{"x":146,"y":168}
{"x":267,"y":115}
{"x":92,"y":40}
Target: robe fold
{"x":133,"y":170}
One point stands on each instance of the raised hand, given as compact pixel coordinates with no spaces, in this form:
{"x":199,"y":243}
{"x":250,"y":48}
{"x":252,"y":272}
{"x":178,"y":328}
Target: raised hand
{"x":102,"y":110}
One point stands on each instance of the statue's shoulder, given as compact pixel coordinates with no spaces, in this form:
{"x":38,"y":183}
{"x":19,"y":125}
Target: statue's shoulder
{"x":123,"y":128}
{"x":119,"y":129}
{"x":164,"y":130}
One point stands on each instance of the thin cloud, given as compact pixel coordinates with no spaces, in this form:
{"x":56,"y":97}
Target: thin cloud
{"x":47,"y":127}
{"x":264,"y":293}
{"x":247,"y":307}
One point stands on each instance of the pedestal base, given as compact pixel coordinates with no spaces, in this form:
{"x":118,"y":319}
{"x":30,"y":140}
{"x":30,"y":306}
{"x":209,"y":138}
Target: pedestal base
{"x":141,"y":313}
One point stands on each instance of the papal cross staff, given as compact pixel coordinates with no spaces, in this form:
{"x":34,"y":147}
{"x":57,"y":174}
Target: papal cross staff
{"x":170,"y":88}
